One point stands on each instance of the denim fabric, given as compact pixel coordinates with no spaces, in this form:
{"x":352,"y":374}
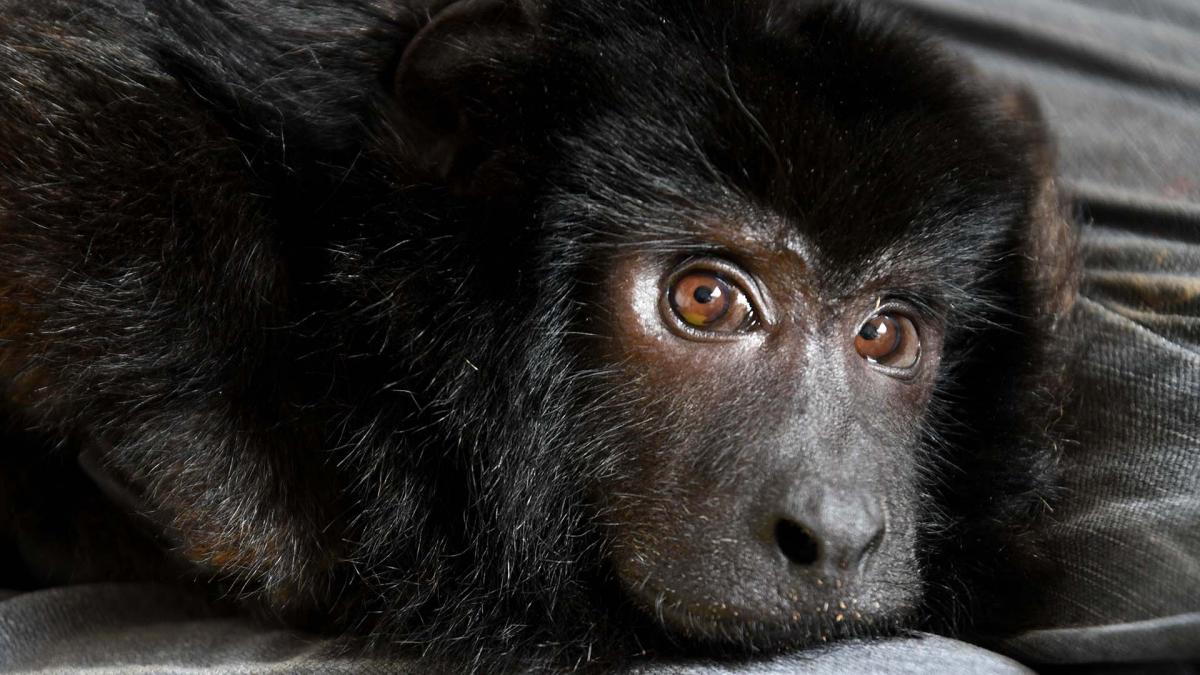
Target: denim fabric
{"x":915,"y":656}
{"x":123,"y":628}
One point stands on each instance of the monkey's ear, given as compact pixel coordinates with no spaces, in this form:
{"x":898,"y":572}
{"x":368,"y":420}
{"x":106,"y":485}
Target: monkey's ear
{"x":1049,"y":243}
{"x":450,"y":82}
{"x":1020,"y":106}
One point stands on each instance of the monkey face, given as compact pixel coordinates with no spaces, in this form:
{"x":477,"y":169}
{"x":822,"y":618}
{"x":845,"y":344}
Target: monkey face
{"x":773,"y":485}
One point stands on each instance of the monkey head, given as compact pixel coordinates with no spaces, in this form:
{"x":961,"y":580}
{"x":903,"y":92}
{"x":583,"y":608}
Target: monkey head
{"x":805,"y":264}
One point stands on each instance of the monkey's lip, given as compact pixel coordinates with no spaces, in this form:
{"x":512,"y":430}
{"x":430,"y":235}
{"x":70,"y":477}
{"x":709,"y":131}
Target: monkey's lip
{"x":726,"y":624}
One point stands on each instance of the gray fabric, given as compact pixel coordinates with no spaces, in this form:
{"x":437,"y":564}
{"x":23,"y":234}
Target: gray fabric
{"x":1120,"y":85}
{"x":1119,"y":81}
{"x":1167,"y":639}
{"x":913,"y":656}
{"x":133,"y":628}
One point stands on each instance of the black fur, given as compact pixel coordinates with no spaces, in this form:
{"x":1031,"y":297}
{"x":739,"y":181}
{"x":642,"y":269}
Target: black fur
{"x":365,"y":389}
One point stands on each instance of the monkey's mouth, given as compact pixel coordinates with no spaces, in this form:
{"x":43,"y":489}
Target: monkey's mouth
{"x":726,"y":626}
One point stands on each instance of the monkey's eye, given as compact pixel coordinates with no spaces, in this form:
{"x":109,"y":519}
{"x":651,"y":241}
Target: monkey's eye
{"x":890,"y":340}
{"x":708,"y":301}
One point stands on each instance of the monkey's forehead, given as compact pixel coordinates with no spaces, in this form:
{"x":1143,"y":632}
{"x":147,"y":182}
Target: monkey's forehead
{"x":830,"y":132}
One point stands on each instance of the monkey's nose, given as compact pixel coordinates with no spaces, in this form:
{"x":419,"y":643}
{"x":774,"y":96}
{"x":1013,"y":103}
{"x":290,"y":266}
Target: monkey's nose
{"x":833,"y":529}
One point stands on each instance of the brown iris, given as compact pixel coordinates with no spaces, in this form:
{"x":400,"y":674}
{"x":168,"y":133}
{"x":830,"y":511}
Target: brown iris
{"x":889,"y":340}
{"x":703,"y":299}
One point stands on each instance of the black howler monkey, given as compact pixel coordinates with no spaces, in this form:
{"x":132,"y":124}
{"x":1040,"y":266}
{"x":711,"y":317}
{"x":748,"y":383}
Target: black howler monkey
{"x":525,"y":329}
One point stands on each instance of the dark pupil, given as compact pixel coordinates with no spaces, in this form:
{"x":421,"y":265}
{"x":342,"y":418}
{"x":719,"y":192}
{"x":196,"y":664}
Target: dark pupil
{"x":703,"y":294}
{"x":869,"y":331}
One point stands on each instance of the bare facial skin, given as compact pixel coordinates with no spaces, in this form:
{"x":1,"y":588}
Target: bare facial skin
{"x":787,"y":417}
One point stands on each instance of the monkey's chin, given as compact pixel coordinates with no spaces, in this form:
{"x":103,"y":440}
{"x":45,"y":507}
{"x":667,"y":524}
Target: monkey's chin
{"x":725,"y":629}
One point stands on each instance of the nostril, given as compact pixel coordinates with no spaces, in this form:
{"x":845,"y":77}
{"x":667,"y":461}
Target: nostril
{"x":873,"y":545}
{"x":796,"y":542}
